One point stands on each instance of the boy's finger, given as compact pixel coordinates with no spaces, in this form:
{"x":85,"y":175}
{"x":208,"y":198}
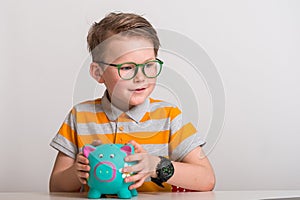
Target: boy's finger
{"x":82,"y":159}
{"x":137,"y":147}
{"x":82,"y":181}
{"x":133,"y":168}
{"x":83,"y":175}
{"x":134,"y":143}
{"x":137,"y":184}
{"x":133,"y":157}
{"x":96,"y":142}
{"x":84,"y":168}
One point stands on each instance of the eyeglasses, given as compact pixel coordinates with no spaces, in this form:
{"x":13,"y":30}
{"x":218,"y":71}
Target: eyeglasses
{"x":128,"y":70}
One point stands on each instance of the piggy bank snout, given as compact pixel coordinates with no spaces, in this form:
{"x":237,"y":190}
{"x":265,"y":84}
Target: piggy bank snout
{"x":105,"y":171}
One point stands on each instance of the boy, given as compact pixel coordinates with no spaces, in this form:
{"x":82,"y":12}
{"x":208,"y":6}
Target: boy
{"x":124,"y":47}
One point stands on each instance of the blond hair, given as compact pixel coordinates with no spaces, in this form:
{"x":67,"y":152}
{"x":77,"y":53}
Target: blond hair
{"x":125,"y":24}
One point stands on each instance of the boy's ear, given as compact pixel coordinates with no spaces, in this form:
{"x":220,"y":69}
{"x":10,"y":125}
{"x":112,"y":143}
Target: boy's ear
{"x":96,"y":72}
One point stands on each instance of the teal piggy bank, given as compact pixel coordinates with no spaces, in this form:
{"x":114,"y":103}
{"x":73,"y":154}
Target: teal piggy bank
{"x":106,"y":177}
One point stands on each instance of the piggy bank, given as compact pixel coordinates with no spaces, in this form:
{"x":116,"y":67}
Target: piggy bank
{"x":105,"y":176}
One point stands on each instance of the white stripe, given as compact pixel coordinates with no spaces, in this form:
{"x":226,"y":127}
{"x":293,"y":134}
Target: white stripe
{"x":186,"y":146}
{"x":128,"y":127}
{"x":65,"y":146}
{"x":176,"y":124}
{"x":156,"y":149}
{"x":94,"y":128}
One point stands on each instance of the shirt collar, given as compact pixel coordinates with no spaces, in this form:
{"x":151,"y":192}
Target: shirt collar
{"x":112,"y":112}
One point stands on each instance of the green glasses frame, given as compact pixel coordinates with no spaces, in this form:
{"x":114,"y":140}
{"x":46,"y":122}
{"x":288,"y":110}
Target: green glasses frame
{"x":136,"y":67}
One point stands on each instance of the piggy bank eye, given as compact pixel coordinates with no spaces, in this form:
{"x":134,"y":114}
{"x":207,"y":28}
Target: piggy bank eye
{"x":112,"y":155}
{"x":101,"y":155}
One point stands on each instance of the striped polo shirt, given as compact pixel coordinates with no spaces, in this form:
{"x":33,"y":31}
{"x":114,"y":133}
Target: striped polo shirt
{"x":157,"y":125}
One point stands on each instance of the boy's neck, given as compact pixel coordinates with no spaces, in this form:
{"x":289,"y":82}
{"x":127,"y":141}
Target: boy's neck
{"x":120,"y":105}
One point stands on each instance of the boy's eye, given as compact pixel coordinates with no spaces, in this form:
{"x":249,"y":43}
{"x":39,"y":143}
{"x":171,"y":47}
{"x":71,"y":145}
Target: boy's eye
{"x":127,"y":67}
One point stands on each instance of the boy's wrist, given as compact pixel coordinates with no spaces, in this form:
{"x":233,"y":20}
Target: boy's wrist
{"x":164,"y":171}
{"x":156,"y":161}
{"x":154,"y":175}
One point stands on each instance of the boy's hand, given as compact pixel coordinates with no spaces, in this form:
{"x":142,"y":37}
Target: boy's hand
{"x":82,"y":165}
{"x":145,"y":167}
{"x":82,"y":168}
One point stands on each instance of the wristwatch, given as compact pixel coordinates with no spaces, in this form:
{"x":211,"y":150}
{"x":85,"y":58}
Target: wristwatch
{"x":164,"y":171}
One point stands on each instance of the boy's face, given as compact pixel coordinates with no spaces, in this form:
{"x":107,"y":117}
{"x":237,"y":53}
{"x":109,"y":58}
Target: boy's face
{"x":128,"y":93}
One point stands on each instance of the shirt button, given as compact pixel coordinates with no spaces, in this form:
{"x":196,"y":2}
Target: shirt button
{"x":121,"y":128}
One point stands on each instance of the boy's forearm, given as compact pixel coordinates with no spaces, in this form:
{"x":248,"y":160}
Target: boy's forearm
{"x":65,"y":181}
{"x":200,"y":177}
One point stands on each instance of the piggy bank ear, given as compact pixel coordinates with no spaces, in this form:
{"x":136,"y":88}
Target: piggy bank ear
{"x":127,"y":149}
{"x":87,"y":149}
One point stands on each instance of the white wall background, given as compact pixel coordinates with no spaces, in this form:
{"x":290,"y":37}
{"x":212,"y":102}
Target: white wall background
{"x":255,"y":46}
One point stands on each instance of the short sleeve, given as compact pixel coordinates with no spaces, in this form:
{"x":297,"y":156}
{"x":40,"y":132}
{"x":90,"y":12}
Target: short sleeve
{"x":66,"y":140}
{"x":184,"y":136}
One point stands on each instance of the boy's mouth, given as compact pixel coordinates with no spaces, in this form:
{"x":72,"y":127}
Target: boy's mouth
{"x":138,"y":90}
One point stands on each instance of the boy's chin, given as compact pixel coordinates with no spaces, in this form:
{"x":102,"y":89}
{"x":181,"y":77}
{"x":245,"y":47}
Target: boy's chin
{"x":136,"y":101}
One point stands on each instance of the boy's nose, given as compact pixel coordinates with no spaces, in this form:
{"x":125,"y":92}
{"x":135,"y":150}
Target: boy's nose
{"x":140,"y":76}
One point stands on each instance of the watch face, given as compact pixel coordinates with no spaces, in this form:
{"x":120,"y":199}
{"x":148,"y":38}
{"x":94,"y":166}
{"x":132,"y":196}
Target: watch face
{"x":166,"y":170}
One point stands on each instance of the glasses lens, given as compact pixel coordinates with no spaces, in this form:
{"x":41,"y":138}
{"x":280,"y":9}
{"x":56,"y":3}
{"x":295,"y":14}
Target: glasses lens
{"x":152,"y":69}
{"x":127,"y":70}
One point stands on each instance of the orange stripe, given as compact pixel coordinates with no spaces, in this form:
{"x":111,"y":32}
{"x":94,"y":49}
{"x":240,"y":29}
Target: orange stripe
{"x":154,"y":100}
{"x":175,"y":110}
{"x":146,"y":117}
{"x":161,"y":113}
{"x":174,"y":113}
{"x":183,"y":133}
{"x":152,"y":187}
{"x":66,"y":131}
{"x":160,"y":137}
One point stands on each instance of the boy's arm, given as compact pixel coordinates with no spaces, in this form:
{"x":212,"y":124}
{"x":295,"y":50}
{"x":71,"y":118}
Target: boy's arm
{"x":64,"y":176}
{"x":194,"y":172}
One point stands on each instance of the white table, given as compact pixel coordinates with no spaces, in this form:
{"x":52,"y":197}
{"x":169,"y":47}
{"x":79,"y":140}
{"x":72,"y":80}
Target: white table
{"x":215,"y":195}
